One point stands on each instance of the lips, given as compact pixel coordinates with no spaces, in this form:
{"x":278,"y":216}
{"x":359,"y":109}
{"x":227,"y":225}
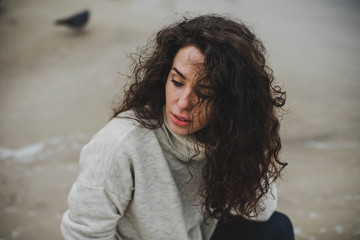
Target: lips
{"x":180,"y":120}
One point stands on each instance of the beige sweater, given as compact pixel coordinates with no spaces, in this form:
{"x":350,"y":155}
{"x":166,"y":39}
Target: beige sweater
{"x":134,"y":184}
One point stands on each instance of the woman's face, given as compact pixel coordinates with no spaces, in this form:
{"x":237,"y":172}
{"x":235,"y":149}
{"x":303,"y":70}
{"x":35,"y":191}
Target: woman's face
{"x":184,"y":115}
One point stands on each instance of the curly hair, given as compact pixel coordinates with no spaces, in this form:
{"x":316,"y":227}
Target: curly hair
{"x":241,"y":140}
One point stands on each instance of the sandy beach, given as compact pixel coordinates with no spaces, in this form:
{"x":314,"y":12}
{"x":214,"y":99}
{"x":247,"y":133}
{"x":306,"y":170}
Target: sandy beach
{"x":57,"y":88}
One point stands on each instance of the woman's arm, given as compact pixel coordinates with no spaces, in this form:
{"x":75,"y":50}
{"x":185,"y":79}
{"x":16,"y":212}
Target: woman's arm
{"x":93,"y":213}
{"x":103,"y":189}
{"x":267,"y":203}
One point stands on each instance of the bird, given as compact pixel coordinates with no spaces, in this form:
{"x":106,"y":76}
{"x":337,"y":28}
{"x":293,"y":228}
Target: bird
{"x":76,"y":21}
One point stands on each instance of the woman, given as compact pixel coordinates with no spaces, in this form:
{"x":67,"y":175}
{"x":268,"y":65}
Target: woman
{"x":196,"y":140}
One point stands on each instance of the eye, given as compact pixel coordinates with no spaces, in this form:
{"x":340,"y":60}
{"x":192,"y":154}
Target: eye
{"x":206,"y":92}
{"x":176,"y":83}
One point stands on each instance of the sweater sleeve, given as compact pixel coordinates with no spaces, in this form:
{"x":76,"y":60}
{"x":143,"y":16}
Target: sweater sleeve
{"x":267,"y":205}
{"x":92,"y":213}
{"x":102,"y":191}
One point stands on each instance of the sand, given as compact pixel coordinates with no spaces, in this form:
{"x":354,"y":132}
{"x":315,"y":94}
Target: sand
{"x":57,"y":88}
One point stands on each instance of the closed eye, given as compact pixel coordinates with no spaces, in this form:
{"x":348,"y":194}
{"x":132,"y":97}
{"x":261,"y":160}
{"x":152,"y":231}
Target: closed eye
{"x":176,"y":83}
{"x":206,"y":91}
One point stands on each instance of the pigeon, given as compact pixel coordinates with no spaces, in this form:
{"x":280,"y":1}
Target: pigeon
{"x":76,"y":21}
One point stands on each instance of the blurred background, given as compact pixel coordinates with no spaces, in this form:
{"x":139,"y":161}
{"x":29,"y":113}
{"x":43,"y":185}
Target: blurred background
{"x":57,"y":87}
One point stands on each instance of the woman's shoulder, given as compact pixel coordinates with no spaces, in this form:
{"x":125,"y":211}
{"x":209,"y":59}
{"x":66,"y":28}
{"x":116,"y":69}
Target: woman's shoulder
{"x":122,"y":134}
{"x":123,"y":126}
{"x":111,"y":148}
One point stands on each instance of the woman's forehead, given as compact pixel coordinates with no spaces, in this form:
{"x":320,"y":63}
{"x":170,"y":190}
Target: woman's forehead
{"x":188,"y":63}
{"x":190,"y":54}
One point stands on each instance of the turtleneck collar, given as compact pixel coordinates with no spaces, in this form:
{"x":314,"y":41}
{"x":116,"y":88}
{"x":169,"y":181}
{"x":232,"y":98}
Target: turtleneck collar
{"x":183,"y":147}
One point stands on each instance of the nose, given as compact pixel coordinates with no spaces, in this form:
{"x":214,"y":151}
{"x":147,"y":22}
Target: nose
{"x":185,"y":101}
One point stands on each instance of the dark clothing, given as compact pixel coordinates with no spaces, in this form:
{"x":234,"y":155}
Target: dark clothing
{"x":278,"y":227}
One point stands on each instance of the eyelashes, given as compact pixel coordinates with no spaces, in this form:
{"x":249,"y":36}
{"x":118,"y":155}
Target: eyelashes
{"x":176,"y":83}
{"x":204,"y":92}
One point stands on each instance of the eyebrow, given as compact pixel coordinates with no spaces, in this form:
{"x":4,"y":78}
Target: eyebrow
{"x":178,"y":72}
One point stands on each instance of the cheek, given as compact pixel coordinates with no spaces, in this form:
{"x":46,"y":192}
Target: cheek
{"x":205,"y":114}
{"x":202,"y":118}
{"x":167,"y":94}
{"x":171,"y":94}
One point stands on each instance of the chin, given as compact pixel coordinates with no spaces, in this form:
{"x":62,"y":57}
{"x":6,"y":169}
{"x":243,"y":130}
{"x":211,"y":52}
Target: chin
{"x":176,"y":130}
{"x":180,"y":132}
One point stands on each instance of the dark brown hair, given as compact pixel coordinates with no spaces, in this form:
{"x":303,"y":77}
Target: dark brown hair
{"x":242,"y":142}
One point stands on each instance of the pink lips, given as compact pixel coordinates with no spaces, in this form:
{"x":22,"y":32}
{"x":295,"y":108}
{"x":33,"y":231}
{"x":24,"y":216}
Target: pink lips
{"x":180,"y":121}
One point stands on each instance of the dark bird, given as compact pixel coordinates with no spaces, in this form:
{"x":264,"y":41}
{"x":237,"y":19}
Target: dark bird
{"x":76,"y":21}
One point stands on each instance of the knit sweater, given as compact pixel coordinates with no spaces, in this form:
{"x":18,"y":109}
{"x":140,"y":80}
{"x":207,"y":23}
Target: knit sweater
{"x":137,"y":183}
